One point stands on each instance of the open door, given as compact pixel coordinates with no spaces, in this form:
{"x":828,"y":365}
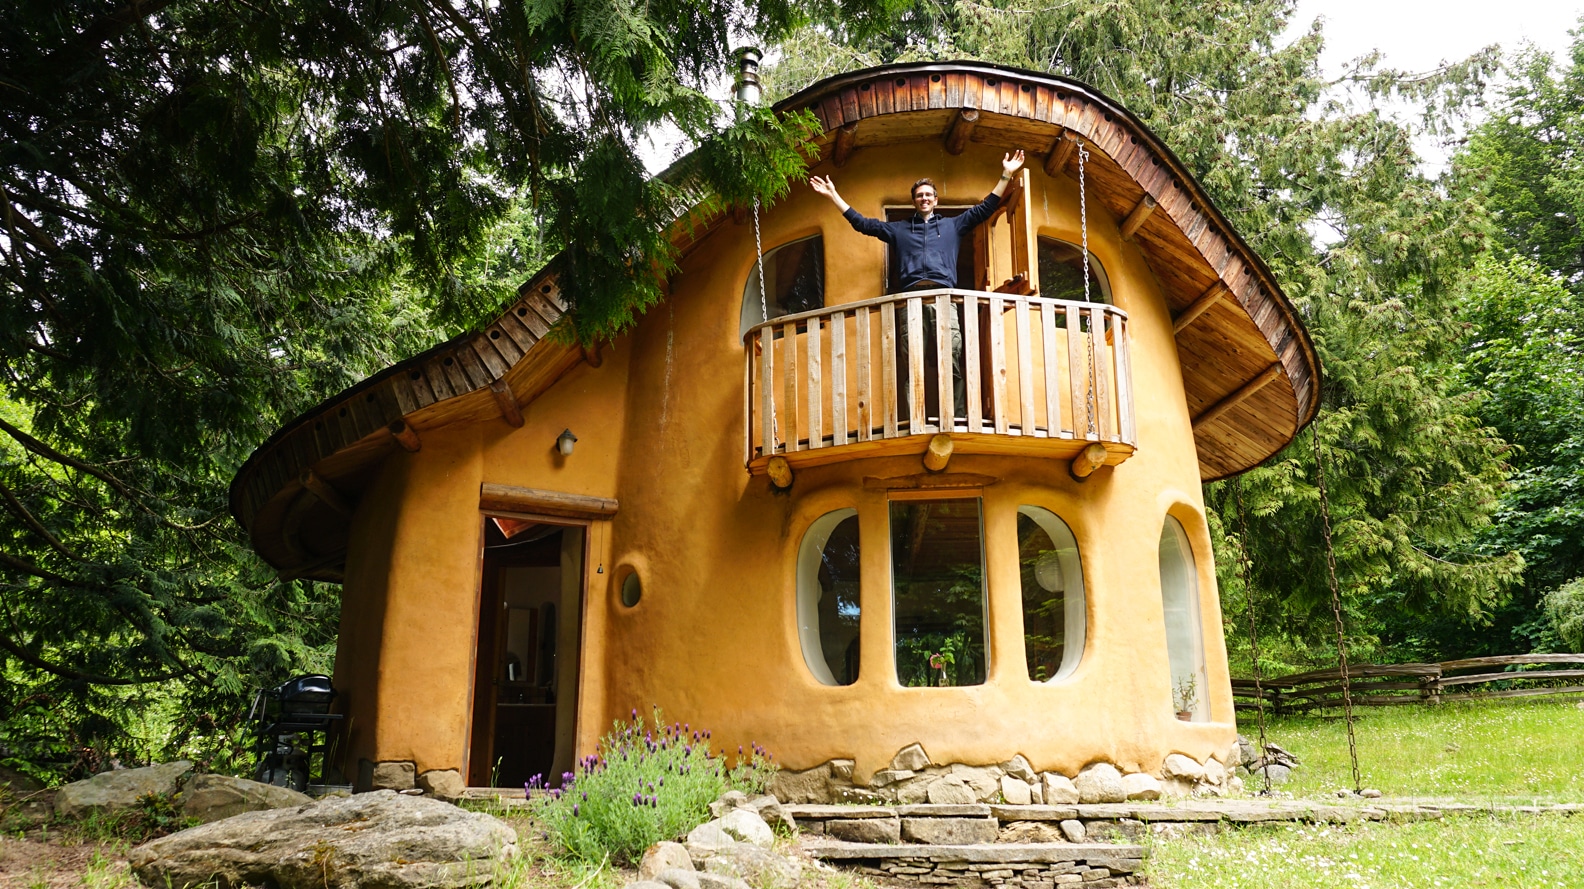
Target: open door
{"x":526,"y":668}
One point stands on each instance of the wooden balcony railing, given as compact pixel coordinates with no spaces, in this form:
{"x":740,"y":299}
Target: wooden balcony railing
{"x":1039,"y":377}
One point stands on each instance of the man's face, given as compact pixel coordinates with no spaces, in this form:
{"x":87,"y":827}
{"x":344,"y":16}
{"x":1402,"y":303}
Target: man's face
{"x":924,"y":199}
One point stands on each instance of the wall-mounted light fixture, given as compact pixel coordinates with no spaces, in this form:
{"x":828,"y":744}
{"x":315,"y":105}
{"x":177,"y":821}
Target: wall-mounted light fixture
{"x":564,"y":442}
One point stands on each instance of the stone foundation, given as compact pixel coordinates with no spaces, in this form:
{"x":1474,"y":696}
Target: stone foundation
{"x":913,"y":779}
{"x":1027,"y":866}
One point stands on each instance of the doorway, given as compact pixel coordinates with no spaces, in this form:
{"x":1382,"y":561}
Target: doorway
{"x":526,"y":666}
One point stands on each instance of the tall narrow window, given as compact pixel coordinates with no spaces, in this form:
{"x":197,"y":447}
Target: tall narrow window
{"x":1184,"y":637}
{"x":1061,"y":273}
{"x":827,"y":597}
{"x":937,"y":587}
{"x":1053,"y":594}
{"x":794,"y":281}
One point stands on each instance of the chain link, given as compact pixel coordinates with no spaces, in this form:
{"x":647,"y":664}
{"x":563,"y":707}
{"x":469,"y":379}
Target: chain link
{"x":1254,"y":649}
{"x":1336,"y":607}
{"x":764,"y":315}
{"x":1083,"y":232}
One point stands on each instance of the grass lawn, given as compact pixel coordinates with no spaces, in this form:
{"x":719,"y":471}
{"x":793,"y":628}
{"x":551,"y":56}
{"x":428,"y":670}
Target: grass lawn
{"x":1509,"y":751}
{"x":1500,"y":751}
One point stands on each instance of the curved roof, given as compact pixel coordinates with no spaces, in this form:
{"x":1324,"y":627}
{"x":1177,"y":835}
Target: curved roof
{"x":1249,"y":369}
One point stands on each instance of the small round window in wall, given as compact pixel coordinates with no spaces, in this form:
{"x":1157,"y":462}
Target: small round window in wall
{"x":631,"y":589}
{"x":1053,"y":594}
{"x":827,"y":597}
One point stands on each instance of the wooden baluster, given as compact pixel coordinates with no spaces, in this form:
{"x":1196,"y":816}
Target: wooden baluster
{"x":998,"y":369}
{"x":917,"y":422}
{"x":943,"y":357}
{"x":1025,"y":347}
{"x":1078,"y":372}
{"x":1124,"y":381}
{"x":816,"y":389}
{"x":865,"y":380}
{"x":789,"y":422}
{"x":888,"y":370}
{"x":838,"y":379}
{"x":748,"y":417}
{"x":971,"y":380}
{"x":767,"y":418}
{"x":1053,"y":425}
{"x":1102,"y":390}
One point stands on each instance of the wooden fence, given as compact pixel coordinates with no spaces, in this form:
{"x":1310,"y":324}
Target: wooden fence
{"x":1377,"y":685}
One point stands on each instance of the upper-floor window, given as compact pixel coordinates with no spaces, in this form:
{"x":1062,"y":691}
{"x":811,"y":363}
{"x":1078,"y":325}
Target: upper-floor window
{"x":968,"y":254}
{"x":794,"y":281}
{"x":1061,"y":273}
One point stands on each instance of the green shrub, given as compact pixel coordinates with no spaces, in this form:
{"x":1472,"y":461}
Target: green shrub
{"x":1565,"y":606}
{"x":645,"y":783}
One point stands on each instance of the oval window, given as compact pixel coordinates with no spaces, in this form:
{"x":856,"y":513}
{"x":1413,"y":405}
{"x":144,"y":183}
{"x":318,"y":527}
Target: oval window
{"x":1184,"y":637}
{"x":827,"y":597}
{"x":1053,"y":594}
{"x":631,"y":590}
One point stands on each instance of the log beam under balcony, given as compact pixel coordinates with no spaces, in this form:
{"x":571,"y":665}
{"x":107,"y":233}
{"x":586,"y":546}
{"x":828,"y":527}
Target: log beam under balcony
{"x":1092,"y":457}
{"x":780,"y":472}
{"x":405,"y":435}
{"x":939,"y":452}
{"x":962,"y":128}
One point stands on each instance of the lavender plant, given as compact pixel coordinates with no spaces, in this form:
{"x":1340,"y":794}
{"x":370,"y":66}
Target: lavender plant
{"x":647,"y":781}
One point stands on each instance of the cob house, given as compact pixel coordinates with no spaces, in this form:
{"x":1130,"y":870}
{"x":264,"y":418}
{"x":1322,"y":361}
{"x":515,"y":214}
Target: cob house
{"x":750,"y":511}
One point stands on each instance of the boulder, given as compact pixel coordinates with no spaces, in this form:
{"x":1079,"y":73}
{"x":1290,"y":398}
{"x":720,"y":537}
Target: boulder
{"x":1073,"y":830}
{"x":119,"y":790}
{"x":1058,"y":790}
{"x":661,"y":857}
{"x":769,"y":808}
{"x":761,"y":867}
{"x":213,"y":797}
{"x":913,"y":791}
{"x":731,"y":799}
{"x":840,"y":769}
{"x":1215,"y":772}
{"x":719,"y":881}
{"x":442,"y":783}
{"x":1015,"y":792}
{"x":1278,"y":774}
{"x":950,"y":791}
{"x":746,"y":826}
{"x":1141,"y":786}
{"x":677,"y":878}
{"x":1100,"y":783}
{"x":381,"y":839}
{"x":911,"y":758}
{"x":1019,"y":768}
{"x":647,"y":884}
{"x":707,"y":839}
{"x":392,"y":776}
{"x":1177,"y":765}
{"x":886,"y":777}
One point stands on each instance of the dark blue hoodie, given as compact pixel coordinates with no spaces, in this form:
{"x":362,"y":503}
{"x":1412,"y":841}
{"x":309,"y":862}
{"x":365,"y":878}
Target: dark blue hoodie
{"x":926,"y":250}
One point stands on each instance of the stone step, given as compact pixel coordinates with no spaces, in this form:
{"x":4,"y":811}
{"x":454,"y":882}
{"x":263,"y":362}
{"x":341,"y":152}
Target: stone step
{"x":1009,"y":865}
{"x":508,"y":797}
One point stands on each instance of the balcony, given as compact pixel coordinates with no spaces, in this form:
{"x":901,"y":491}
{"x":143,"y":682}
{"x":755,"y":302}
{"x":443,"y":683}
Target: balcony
{"x":1039,"y":378}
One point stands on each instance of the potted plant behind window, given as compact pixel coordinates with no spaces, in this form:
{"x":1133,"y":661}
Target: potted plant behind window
{"x":1185,"y":696}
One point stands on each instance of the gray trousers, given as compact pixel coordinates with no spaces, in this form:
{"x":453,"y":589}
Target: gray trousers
{"x":931,"y":387}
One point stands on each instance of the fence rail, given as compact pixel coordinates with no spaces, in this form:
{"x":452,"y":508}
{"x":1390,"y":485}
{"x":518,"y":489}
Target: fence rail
{"x":1384,"y":685}
{"x":948,"y":360}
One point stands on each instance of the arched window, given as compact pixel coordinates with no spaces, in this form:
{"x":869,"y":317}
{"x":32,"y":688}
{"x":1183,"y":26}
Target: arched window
{"x":1053,"y":594}
{"x":1061,"y":273}
{"x":827,"y":597}
{"x":1184,"y":635}
{"x":794,"y":276}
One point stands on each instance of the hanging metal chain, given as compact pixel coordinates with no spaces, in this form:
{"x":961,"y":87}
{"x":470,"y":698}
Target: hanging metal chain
{"x":1254,"y":649}
{"x":1083,"y":232}
{"x":764,"y":315}
{"x":1336,"y":607}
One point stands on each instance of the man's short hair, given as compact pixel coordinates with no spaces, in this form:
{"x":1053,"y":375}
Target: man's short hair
{"x":912,"y":193}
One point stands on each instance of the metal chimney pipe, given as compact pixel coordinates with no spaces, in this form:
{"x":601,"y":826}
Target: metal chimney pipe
{"x":747,"y":85}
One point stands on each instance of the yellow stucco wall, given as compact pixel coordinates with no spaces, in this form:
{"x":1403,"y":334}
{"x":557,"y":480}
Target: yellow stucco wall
{"x":714,"y":640}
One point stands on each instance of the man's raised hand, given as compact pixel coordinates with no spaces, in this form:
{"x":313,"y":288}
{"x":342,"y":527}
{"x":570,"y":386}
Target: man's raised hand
{"x":1011,"y":163}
